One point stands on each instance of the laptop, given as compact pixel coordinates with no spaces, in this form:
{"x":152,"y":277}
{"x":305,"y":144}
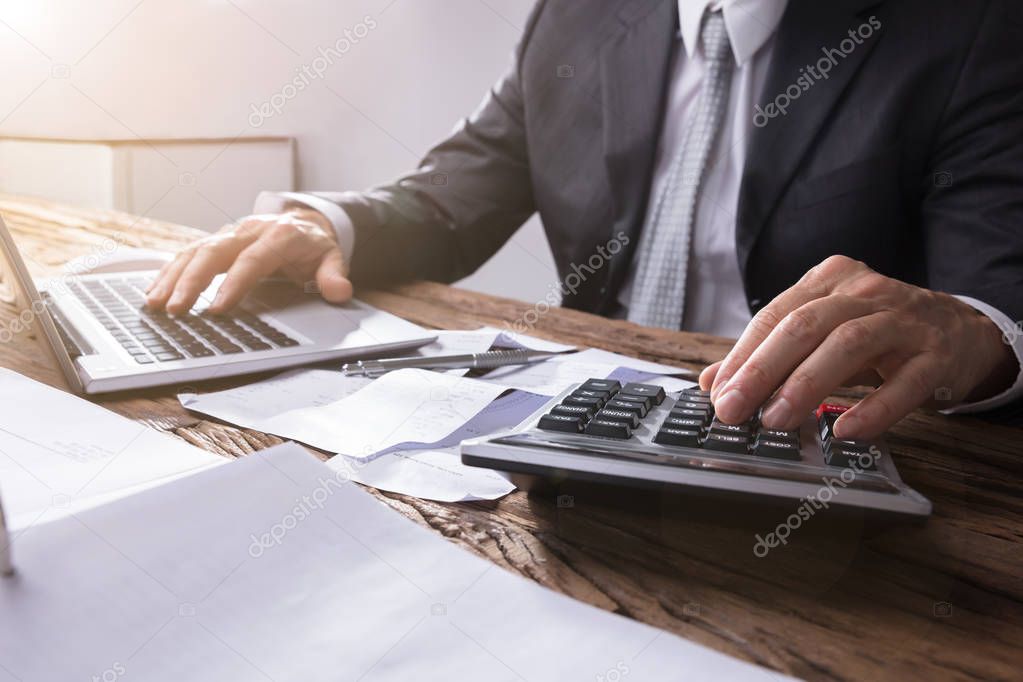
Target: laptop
{"x":105,"y":339}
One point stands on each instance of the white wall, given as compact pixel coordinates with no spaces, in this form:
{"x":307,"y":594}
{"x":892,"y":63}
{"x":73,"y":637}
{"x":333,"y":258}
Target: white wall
{"x":196,"y":68}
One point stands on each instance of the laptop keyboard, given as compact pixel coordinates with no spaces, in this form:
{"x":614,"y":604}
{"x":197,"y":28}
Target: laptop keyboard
{"x":153,"y":337}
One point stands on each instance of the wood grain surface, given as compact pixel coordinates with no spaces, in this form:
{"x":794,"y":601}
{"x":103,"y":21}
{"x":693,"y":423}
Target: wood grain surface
{"x":843,"y":600}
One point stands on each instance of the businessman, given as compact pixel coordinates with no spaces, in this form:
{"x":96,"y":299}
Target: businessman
{"x":839,"y":182}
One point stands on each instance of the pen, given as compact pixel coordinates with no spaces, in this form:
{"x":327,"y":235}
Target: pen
{"x":6,"y":567}
{"x":488,"y":360}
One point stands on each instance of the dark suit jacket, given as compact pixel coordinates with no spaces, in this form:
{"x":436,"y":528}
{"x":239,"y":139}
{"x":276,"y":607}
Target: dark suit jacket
{"x":909,"y":156}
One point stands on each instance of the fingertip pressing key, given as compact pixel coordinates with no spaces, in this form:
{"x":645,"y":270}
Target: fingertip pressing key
{"x":730,"y":406}
{"x":778,"y":414}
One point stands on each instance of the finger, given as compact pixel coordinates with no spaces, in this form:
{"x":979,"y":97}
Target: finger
{"x":330,"y":279}
{"x":818,"y":282}
{"x":158,"y":295}
{"x":790,"y":342}
{"x":759,"y":328}
{"x":844,"y":353}
{"x":708,"y":374}
{"x":159,"y":275}
{"x":909,"y":388}
{"x":253,"y":264}
{"x":208,"y":261}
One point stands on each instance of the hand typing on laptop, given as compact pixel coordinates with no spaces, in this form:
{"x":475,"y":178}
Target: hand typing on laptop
{"x":299,"y":243}
{"x":843,"y":323}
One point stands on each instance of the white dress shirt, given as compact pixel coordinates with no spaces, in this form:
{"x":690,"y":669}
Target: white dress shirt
{"x":715,"y":295}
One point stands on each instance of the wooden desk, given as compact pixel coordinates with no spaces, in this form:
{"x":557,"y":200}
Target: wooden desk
{"x":943,"y":600}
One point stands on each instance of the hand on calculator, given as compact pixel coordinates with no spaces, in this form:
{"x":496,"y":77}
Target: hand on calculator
{"x":843,"y":323}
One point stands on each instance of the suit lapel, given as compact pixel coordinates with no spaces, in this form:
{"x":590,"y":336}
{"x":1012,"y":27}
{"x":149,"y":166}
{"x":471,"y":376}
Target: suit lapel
{"x":778,"y":146}
{"x":634,"y":69}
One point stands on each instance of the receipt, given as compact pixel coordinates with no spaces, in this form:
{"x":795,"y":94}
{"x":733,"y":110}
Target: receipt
{"x":357,"y":417}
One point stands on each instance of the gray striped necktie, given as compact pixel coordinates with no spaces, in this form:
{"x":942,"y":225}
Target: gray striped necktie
{"x":659,"y":288}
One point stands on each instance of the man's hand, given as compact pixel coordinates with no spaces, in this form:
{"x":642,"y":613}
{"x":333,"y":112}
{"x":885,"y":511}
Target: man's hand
{"x":300,"y":244}
{"x":843,"y":323}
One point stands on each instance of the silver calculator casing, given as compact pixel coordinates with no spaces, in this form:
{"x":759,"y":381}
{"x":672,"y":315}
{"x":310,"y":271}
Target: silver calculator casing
{"x":533,"y":455}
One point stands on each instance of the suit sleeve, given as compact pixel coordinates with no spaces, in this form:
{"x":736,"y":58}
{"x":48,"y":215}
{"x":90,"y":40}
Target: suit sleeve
{"x":469,"y":195}
{"x":972,"y":211}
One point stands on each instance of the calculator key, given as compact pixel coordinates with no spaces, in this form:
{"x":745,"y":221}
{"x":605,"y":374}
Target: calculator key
{"x":647,"y":403}
{"x":655,"y":393}
{"x":620,"y":416}
{"x":776,"y":449}
{"x":694,"y":396}
{"x":696,"y":391}
{"x":683,"y":423}
{"x":847,"y":457}
{"x":608,"y":429}
{"x":689,"y":405}
{"x":636,"y":408}
{"x":573,"y":411}
{"x":689,"y":438}
{"x":588,"y":393}
{"x":744,"y":430}
{"x":830,"y":408}
{"x":784,"y":436}
{"x":609,"y":385}
{"x":726,"y":442}
{"x":581,"y":401}
{"x":853,"y":445}
{"x":703,"y":415}
{"x":826,"y":426}
{"x":561,"y":422}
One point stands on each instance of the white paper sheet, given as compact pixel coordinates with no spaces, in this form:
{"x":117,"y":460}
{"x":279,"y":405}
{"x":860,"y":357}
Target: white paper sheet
{"x":400,"y":408}
{"x":606,"y":357}
{"x":553,"y":376}
{"x":437,"y":473}
{"x":270,"y":568}
{"x":57,"y":450}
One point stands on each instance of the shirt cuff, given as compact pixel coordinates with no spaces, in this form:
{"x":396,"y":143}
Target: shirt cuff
{"x":1012,"y":334}
{"x":277,"y":202}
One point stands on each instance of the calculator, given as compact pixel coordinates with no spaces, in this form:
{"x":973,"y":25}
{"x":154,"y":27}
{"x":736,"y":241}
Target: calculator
{"x":637,"y":435}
